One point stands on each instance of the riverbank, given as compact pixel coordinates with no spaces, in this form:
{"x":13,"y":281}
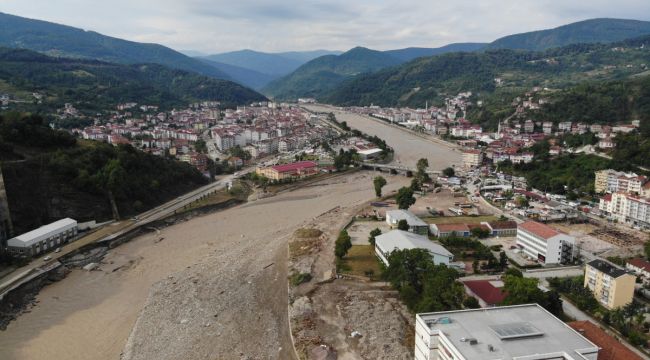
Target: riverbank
{"x":217,"y":262}
{"x":409,"y":146}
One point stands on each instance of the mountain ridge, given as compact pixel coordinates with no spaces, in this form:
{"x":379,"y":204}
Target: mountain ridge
{"x":67,"y":41}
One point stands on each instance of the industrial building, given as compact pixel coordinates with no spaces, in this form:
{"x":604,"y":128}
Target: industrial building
{"x":47,"y":237}
{"x":401,"y":240}
{"x":508,"y":332}
{"x":416,"y":225}
{"x":612,"y":286}
{"x":545,"y":244}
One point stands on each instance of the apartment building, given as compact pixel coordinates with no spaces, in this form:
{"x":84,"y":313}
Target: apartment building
{"x":472,"y":158}
{"x":612,"y":181}
{"x":626,"y":208}
{"x":507,"y":332}
{"x":612,"y":286}
{"x":545,"y":244}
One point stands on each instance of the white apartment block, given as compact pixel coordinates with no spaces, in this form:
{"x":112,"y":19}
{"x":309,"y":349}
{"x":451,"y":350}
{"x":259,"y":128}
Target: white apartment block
{"x":626,"y":208}
{"x":545,"y":244}
{"x":612,"y":181}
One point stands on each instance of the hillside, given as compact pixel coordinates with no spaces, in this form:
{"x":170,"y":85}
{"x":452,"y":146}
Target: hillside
{"x":61,"y":177}
{"x":411,"y":53}
{"x":588,"y":31}
{"x":431,"y":78}
{"x":324,"y":73}
{"x":93,"y":85}
{"x":247,"y":77}
{"x":65,"y":41}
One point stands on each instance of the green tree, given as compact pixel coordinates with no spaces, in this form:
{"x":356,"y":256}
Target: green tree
{"x":405,"y":198}
{"x":470,"y":302}
{"x":503,"y":259}
{"x":646,"y":249}
{"x":513,"y":272}
{"x":343,"y":244}
{"x":422,"y":285}
{"x":373,"y":234}
{"x":111,"y":178}
{"x":200,"y":146}
{"x":403,"y":225}
{"x":521,"y":201}
{"x":449,"y":172}
{"x":378,"y":182}
{"x":522,"y":291}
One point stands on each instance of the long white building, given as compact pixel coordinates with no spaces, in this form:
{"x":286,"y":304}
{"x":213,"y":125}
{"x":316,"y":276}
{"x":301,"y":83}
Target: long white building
{"x":545,"y":244}
{"x":401,"y":240}
{"x":44,"y":238}
{"x":523,"y":332}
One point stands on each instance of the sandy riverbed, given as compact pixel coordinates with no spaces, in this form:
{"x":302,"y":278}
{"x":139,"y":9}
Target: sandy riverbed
{"x":220,"y":290}
{"x":408,"y":147}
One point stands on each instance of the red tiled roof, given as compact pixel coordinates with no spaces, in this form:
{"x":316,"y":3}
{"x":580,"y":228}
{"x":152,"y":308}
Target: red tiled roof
{"x":295,"y":166}
{"x":539,"y":229}
{"x":452,"y":227}
{"x":640,"y":263}
{"x":490,"y":294}
{"x":499,"y":225}
{"x":610,"y":348}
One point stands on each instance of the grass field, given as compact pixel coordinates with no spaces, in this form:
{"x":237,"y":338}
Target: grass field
{"x":459,"y":219}
{"x":361,"y":261}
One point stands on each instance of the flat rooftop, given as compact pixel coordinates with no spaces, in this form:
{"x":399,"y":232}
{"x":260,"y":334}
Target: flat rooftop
{"x":511,"y":331}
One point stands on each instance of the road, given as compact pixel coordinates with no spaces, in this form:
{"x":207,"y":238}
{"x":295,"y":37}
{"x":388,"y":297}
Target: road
{"x":115,"y":230}
{"x":409,"y":147}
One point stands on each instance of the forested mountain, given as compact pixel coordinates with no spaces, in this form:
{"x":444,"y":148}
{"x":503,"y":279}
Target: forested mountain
{"x":326,"y":72}
{"x":411,"y":53}
{"x":63,"y":177}
{"x":247,"y":77}
{"x":95,"y":85}
{"x":65,"y":41}
{"x":432,"y":78}
{"x":588,"y":31}
{"x":273,"y":64}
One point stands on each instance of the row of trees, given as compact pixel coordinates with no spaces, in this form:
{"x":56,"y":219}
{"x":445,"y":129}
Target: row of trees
{"x":629,"y":320}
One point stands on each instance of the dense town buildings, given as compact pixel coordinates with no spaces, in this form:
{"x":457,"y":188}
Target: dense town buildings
{"x":262,"y":129}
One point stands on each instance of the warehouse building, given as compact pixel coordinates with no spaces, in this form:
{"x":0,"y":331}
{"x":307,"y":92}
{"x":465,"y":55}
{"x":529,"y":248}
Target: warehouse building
{"x":416,"y":225}
{"x":47,"y":237}
{"x":402,"y":240}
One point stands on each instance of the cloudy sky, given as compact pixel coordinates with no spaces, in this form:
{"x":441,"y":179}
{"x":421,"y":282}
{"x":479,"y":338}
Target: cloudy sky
{"x":212,"y":26}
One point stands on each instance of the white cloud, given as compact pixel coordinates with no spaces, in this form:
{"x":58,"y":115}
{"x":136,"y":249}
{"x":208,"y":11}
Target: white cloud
{"x":219,"y":25}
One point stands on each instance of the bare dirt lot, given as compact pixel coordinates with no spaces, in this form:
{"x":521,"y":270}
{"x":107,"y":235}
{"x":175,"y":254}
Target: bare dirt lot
{"x":360,"y":230}
{"x":215,"y":287}
{"x":325,"y":311}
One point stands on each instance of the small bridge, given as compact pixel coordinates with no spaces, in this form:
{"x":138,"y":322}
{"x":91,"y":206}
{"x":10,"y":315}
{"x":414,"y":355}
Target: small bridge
{"x":398,"y":168}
